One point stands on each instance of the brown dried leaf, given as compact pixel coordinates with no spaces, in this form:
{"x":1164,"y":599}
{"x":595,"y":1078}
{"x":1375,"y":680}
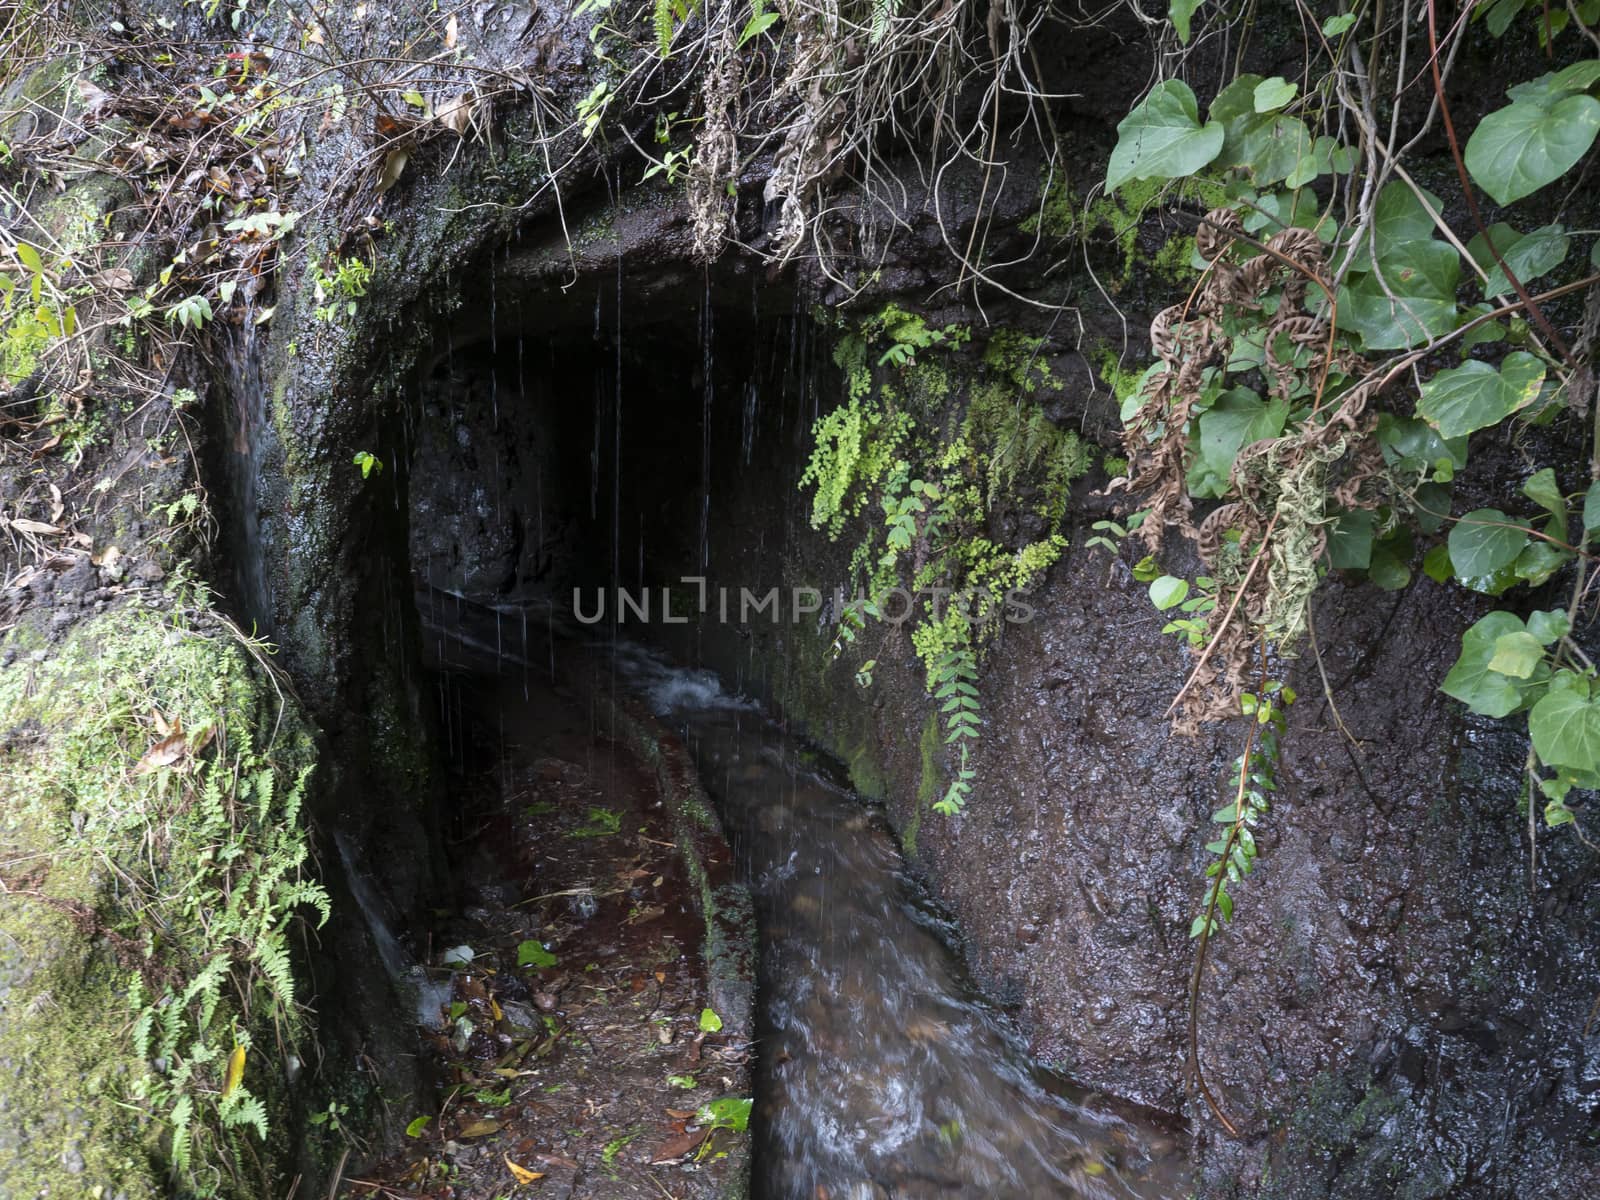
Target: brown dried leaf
{"x":482,"y":1127}
{"x":28,"y":526}
{"x":675,"y":1148}
{"x":394,"y":164}
{"x":451,"y":31}
{"x":455,"y":114}
{"x":163,"y":754}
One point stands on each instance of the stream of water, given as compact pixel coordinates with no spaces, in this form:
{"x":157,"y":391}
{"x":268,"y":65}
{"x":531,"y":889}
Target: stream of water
{"x":883,"y":1073}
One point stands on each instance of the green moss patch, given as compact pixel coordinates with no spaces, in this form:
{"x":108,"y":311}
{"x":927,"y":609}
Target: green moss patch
{"x":154,"y":860}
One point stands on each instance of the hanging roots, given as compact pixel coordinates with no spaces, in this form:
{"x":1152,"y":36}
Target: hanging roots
{"x":1279,"y":488}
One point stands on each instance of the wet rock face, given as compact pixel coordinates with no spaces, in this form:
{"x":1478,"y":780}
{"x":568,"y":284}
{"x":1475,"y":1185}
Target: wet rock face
{"x":1388,"y":985}
{"x":488,"y":502}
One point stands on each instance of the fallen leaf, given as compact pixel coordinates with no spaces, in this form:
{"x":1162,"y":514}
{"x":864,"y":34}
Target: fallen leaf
{"x":163,"y":754}
{"x":675,"y":1148}
{"x":556,"y":1160}
{"x":522,"y":1174}
{"x":107,"y":557}
{"x":482,"y":1127}
{"x":394,"y":164}
{"x":235,"y":1071}
{"x":455,"y":114}
{"x":451,"y":31}
{"x":57,"y":505}
{"x":28,"y":526}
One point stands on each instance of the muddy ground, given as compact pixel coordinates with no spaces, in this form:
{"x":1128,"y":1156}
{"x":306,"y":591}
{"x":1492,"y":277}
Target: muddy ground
{"x":575,"y":1049}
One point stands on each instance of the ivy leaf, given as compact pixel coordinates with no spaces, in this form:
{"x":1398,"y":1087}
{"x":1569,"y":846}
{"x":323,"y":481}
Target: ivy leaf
{"x":1591,"y":508}
{"x":1519,"y":149}
{"x":1549,"y":626}
{"x":1238,"y":418}
{"x":1419,"y":302}
{"x":1168,"y":591}
{"x":1543,"y":490}
{"x":1334,"y":26}
{"x":1182,"y":13}
{"x":1538,"y":561}
{"x":1272,"y":94}
{"x":1436,"y":565}
{"x":1579,"y":77}
{"x":1472,"y":682}
{"x":1278,"y":148}
{"x":1528,"y":255}
{"x":1387,"y":571}
{"x":1350,"y":541}
{"x":532,"y":954}
{"x":710,"y":1022}
{"x":1162,"y":138}
{"x":1475,"y":395}
{"x":1484,"y":541}
{"x":1565,"y":727}
{"x":1517,"y":654}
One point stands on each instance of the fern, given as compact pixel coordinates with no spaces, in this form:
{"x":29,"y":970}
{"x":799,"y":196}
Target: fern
{"x":662,"y":20}
{"x":883,"y":12}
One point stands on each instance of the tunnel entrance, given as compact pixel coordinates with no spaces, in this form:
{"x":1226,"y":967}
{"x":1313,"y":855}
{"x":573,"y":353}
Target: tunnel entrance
{"x":608,"y":463}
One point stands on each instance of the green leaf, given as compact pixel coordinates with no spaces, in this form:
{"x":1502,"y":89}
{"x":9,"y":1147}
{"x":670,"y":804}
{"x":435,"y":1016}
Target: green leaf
{"x":1168,"y":591}
{"x":1579,"y":77}
{"x":1418,"y":303}
{"x":1182,"y":13}
{"x":1472,"y":682}
{"x":709,"y":1021}
{"x":1436,"y":565}
{"x":1475,"y":395}
{"x":1400,"y":219}
{"x":1517,"y":654}
{"x":1549,"y":626}
{"x":1272,"y":94}
{"x":1273,"y":148}
{"x":1538,"y":561}
{"x":1591,"y":507}
{"x":1162,"y":138}
{"x":1484,"y":541}
{"x":532,"y":954}
{"x":29,"y":257}
{"x":1388,"y":572}
{"x":1543,"y":490}
{"x":414,"y":1130}
{"x":1334,"y":26}
{"x":1557,"y":813}
{"x":1238,"y":418}
{"x":1528,"y":255}
{"x":1519,"y":149}
{"x":1350,"y":541}
{"x":1565,"y":727}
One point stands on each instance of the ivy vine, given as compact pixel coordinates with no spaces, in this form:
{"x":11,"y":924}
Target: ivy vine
{"x":1319,"y":389}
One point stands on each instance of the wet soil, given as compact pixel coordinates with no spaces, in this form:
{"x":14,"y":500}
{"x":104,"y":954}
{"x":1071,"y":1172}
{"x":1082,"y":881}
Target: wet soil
{"x":569,"y":1030}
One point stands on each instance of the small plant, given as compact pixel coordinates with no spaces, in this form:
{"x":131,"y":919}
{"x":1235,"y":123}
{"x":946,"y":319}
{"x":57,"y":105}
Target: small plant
{"x":369,"y":463}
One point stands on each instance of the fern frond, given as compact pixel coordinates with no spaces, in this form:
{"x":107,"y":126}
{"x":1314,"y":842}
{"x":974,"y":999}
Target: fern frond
{"x":662,"y":19}
{"x":883,"y":11}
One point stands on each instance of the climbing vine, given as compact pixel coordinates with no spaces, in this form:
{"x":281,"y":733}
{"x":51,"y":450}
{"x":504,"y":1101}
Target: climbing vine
{"x":1318,"y":388}
{"x":935,"y":460}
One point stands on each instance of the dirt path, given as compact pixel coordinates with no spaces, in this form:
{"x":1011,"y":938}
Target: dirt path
{"x":575,"y":1050}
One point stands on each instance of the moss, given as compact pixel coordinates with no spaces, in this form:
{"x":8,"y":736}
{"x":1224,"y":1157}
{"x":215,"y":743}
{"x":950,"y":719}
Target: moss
{"x":139,"y":871}
{"x":930,"y":779}
{"x":866,"y":772}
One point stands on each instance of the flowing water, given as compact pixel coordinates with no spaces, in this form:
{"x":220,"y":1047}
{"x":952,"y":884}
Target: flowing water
{"x":882,"y":1071}
{"x":882,"y":1074}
